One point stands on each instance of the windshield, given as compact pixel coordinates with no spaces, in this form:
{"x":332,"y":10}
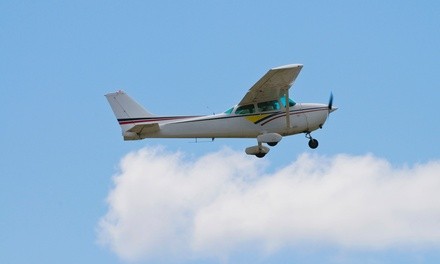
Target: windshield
{"x":283,"y":101}
{"x":229,"y":111}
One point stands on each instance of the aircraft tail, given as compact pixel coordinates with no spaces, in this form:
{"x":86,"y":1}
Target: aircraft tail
{"x":124,"y":106}
{"x":127,"y":111}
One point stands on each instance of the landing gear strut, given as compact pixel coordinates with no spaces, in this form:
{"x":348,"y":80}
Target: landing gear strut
{"x":313,"y":143}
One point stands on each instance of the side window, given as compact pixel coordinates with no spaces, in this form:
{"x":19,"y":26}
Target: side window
{"x":245,"y":109}
{"x":268,"y":106}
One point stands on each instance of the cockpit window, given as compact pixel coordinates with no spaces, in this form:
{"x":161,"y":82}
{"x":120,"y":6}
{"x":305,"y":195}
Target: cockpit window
{"x":229,"y":111}
{"x":283,"y":101}
{"x":245,"y":109}
{"x":268,"y":106}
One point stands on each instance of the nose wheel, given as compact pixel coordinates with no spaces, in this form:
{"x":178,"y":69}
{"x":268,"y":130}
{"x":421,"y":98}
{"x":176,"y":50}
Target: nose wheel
{"x":313,"y":143}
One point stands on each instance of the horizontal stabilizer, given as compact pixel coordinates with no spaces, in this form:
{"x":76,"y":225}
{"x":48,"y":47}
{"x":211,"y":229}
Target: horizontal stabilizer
{"x":136,"y":132}
{"x":146,"y":128}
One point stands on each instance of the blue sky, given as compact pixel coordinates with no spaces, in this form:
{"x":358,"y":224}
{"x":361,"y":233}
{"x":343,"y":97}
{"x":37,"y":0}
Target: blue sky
{"x":62,"y":146}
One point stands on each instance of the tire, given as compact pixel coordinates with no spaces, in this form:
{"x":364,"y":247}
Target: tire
{"x":313,"y":143}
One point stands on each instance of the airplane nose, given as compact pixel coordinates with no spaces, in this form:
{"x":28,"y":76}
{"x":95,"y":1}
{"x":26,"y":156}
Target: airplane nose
{"x":333,"y":109}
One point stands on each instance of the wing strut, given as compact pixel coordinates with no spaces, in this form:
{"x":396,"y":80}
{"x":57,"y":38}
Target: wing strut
{"x":287,"y":106}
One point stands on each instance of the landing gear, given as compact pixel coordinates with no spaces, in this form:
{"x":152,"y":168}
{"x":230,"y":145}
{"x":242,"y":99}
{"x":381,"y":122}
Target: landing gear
{"x":259,"y":150}
{"x":260,"y":155}
{"x":313,"y":143}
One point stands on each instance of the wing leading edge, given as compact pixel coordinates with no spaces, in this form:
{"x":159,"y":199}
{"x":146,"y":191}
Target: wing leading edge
{"x":272,"y":85}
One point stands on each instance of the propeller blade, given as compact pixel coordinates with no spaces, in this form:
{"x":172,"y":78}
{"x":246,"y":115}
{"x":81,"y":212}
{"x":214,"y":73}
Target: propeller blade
{"x":330,"y":102}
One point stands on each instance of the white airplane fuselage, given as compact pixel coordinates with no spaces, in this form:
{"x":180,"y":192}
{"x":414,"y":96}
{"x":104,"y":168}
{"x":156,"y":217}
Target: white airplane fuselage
{"x":304,"y":117}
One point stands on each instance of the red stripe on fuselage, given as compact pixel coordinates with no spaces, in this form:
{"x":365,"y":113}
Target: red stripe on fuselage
{"x":151,"y":119}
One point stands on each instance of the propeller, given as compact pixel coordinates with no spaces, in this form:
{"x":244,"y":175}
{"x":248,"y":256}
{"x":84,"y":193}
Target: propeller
{"x":330,"y":104}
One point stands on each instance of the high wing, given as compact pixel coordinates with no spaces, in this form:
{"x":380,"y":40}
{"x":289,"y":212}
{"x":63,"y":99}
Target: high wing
{"x":272,"y":85}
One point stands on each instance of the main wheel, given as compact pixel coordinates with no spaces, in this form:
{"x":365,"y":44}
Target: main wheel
{"x":272,"y":144}
{"x":260,"y":155}
{"x":313,"y":143}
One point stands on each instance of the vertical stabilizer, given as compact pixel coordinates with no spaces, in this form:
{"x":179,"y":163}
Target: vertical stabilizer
{"x":124,"y":106}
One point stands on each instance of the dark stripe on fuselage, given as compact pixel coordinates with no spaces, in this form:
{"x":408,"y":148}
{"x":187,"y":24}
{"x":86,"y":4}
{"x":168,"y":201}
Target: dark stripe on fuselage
{"x":269,"y":118}
{"x":263,"y":121}
{"x":295,"y":112}
{"x":126,"y":121}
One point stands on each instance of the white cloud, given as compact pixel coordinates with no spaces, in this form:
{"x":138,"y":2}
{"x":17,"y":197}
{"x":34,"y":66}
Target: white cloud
{"x":163,"y":203}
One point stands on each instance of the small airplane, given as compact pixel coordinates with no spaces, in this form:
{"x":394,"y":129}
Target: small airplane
{"x":266,"y":113}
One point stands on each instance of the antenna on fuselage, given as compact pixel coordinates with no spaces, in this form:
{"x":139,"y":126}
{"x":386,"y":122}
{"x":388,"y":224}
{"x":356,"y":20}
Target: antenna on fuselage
{"x":213,"y":113}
